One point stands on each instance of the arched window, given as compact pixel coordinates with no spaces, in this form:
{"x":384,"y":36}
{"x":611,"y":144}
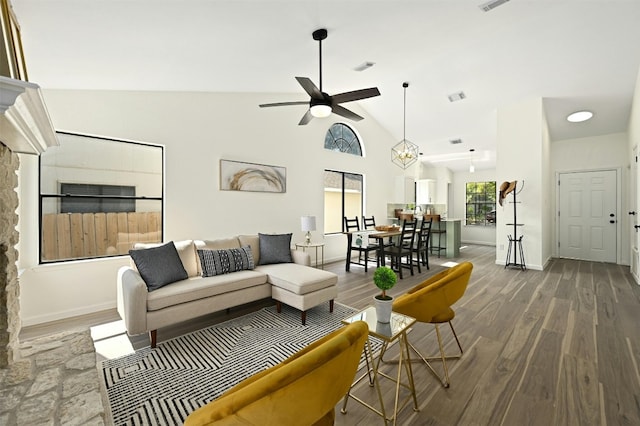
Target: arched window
{"x":343,"y":191}
{"x":342,"y":138}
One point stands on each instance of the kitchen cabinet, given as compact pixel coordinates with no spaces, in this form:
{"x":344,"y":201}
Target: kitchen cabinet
{"x":405,"y":190}
{"x":426,"y":191}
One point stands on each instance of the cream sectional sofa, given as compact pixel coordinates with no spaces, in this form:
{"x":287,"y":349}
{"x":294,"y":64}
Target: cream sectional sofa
{"x":294,"y":283}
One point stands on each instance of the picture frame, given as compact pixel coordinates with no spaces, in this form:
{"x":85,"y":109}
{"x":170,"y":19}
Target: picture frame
{"x":252,"y":177}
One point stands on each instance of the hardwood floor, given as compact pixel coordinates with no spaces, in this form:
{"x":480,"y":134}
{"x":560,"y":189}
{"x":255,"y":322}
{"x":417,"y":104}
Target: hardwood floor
{"x":553,"y":347}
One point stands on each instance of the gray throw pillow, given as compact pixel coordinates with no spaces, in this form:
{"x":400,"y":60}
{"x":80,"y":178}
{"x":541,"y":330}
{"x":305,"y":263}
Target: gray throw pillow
{"x":275,"y":248}
{"x":218,"y":262}
{"x":159,"y":266}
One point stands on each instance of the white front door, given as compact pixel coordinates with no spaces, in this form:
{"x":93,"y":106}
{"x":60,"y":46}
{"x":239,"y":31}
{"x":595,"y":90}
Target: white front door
{"x":588,"y":218}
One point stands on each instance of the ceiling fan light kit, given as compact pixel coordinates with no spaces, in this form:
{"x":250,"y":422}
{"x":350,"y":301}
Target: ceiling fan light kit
{"x":320,"y":110}
{"x":322,"y":104}
{"x":405,"y":152}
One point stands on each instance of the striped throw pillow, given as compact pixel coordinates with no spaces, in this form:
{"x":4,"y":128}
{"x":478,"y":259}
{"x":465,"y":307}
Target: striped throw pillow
{"x":218,"y":262}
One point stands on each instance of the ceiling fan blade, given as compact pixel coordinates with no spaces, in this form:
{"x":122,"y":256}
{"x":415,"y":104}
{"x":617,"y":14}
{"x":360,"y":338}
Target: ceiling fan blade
{"x":284,"y":104}
{"x":305,"y":118}
{"x":355,"y":95}
{"x":310,"y":87}
{"x":342,"y":111}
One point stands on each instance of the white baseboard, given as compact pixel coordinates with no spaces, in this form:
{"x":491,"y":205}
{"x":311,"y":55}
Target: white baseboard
{"x":478,"y":243}
{"x":56,"y":316}
{"x":529,"y":266}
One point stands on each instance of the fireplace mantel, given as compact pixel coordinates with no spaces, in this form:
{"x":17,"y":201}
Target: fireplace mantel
{"x":25,"y":125}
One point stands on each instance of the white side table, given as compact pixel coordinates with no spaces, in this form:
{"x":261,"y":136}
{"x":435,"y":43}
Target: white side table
{"x":316,"y":246}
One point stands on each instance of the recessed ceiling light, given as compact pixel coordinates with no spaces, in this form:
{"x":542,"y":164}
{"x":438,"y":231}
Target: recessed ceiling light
{"x":579,"y":116}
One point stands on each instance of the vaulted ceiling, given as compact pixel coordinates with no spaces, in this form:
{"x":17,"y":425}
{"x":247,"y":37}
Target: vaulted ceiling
{"x":576,"y":54}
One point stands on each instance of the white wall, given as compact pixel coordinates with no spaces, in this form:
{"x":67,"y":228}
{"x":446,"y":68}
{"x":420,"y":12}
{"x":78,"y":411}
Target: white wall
{"x":521,"y":155}
{"x":595,"y":153}
{"x":485,"y":235}
{"x":197,"y":130}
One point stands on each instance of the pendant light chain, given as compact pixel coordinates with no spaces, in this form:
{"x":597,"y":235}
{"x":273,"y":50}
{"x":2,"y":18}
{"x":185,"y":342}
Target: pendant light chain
{"x":404,"y":153}
{"x":404,"y":125}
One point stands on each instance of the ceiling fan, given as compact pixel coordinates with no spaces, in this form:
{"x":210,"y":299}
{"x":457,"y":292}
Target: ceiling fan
{"x":321,"y":104}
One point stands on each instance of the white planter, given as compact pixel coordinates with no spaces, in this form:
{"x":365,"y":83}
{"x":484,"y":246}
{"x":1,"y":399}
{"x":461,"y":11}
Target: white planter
{"x":383,"y":309}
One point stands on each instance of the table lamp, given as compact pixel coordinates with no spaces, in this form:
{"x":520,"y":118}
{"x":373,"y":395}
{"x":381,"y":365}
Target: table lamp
{"x":308,"y":225}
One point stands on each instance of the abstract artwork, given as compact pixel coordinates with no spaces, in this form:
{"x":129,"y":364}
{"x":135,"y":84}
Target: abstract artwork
{"x":240,"y":176}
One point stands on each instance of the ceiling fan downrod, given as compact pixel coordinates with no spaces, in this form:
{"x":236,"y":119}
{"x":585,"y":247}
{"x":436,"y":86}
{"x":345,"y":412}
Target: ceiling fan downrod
{"x":320,"y":35}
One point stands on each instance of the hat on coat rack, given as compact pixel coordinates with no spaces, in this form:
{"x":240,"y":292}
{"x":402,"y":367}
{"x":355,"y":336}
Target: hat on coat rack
{"x":505,"y":189}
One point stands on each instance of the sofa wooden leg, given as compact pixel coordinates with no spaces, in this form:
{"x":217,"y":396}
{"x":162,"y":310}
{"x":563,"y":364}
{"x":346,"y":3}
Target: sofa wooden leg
{"x":304,"y":317}
{"x":331,"y":305}
{"x":153,"y":334}
{"x":278,"y":306}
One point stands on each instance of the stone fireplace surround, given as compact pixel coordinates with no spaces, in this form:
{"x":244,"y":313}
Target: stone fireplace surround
{"x":9,"y":288}
{"x":52,"y":379}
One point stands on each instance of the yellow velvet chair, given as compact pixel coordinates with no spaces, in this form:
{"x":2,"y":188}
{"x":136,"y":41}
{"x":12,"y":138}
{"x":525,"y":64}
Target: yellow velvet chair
{"x":430,"y":302}
{"x":302,"y":390}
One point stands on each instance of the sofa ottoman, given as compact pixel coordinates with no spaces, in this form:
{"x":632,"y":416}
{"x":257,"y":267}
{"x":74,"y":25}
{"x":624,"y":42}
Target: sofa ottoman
{"x":299,"y":286}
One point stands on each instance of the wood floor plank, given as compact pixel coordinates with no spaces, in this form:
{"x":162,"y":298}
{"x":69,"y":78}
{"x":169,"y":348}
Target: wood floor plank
{"x":529,"y":411}
{"x":557,"y":315}
{"x":541,"y":378}
{"x":494,"y":391}
{"x":490,"y":321}
{"x":449,"y":407}
{"x":582,"y":343}
{"x":578,"y":393}
{"x":621,"y":392}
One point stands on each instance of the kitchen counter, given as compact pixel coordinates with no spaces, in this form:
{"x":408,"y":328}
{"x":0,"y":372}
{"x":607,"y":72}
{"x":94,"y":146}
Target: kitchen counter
{"x":451,"y":239}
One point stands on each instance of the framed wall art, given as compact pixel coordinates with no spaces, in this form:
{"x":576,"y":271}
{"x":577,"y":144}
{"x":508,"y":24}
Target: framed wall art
{"x":241,"y":176}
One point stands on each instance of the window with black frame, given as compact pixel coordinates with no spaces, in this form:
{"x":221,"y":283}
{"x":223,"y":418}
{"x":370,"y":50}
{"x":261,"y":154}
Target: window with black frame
{"x":343,"y":192}
{"x":481,"y":203}
{"x":98,"y":197}
{"x":342,"y":138}
{"x":342,"y":197}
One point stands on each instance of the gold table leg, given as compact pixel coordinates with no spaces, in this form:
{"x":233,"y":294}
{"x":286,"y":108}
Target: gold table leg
{"x":372,"y":374}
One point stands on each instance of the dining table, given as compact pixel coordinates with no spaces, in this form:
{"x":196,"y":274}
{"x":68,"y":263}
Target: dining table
{"x":379,"y":236}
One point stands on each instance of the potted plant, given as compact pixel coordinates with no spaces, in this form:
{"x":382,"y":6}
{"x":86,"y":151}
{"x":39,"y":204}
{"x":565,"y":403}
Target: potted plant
{"x":384,"y":278}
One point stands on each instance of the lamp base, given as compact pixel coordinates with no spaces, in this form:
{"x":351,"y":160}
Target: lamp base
{"x":307,"y":238}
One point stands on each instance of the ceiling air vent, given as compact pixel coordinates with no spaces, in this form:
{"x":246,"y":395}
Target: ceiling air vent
{"x":455,"y":141}
{"x":454,"y":97}
{"x":492,"y":5}
{"x":364,"y":66}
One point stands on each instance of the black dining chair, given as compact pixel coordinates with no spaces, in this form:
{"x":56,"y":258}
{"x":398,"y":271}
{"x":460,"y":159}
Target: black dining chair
{"x":369,"y":224}
{"x":403,"y":248}
{"x":421,"y":244}
{"x":352,"y":226}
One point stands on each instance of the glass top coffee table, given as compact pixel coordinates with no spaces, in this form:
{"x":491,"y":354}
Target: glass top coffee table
{"x":396,"y":329}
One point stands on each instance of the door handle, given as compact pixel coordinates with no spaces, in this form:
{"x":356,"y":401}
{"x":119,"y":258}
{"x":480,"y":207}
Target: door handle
{"x":612,"y":221}
{"x":632,"y":213}
{"x":636,"y":226}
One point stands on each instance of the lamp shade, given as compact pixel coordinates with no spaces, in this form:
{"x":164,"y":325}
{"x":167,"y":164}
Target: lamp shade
{"x":308,"y":223}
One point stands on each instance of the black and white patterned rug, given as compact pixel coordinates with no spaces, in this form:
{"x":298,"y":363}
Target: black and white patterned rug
{"x":162,"y":386}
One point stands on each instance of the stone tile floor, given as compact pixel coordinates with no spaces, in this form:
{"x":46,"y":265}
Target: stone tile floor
{"x":54,"y":382}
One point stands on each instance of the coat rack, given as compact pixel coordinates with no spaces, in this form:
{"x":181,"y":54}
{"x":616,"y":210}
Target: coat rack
{"x":515,"y":241}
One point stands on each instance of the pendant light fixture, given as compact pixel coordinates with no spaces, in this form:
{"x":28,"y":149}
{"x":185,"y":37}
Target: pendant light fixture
{"x":405,"y":152}
{"x":472,"y":167}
